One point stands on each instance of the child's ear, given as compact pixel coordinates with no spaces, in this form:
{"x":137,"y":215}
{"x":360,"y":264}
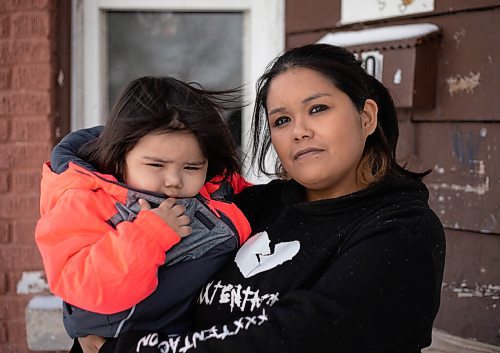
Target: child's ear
{"x":369,"y":117}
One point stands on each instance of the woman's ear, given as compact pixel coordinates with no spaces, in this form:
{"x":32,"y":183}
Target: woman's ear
{"x":369,"y":117}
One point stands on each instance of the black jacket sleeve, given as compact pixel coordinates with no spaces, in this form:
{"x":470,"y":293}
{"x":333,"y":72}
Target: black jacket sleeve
{"x":380,"y":295}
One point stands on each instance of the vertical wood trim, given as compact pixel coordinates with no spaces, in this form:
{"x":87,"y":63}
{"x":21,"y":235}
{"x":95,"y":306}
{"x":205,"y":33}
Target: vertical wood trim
{"x":62,"y":119}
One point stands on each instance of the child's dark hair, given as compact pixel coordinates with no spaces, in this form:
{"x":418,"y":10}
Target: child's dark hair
{"x":161,"y":105}
{"x":345,"y":72}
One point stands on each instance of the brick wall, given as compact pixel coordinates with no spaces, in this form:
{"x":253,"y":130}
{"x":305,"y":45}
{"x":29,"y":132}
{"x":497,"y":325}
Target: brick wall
{"x":27,"y":114}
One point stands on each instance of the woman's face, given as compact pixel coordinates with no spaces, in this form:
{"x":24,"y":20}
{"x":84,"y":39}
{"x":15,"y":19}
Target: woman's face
{"x":317,"y":131}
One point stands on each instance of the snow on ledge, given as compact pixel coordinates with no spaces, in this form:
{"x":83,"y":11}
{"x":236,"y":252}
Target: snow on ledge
{"x":378,"y":35}
{"x":45,"y":302}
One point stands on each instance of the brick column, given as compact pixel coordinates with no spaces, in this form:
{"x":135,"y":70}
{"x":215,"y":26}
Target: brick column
{"x":27,"y":113}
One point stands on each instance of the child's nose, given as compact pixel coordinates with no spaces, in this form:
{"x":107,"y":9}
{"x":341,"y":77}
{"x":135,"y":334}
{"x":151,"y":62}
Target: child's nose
{"x":173,"y":180}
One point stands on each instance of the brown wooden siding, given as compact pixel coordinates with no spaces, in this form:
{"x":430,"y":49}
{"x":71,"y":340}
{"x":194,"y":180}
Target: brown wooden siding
{"x":469,"y":301}
{"x":458,"y":139}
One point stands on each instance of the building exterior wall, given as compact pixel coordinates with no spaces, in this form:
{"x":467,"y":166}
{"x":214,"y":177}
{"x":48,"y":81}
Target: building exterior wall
{"x":462,"y":129}
{"x":459,"y":139}
{"x":28,"y":96}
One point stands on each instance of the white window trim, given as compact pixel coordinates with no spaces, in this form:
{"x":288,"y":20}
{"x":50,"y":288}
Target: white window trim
{"x":264,"y":39}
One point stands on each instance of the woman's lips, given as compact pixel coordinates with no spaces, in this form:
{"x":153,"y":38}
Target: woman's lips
{"x":306,"y":152}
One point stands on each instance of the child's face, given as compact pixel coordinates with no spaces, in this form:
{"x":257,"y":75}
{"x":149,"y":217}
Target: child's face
{"x":167,"y":163}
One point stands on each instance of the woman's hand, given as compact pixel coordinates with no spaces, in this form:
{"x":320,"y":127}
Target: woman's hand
{"x":172,"y":214}
{"x":91,"y":344}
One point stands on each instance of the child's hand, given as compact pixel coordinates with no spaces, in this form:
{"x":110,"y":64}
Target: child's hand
{"x":172,"y":214}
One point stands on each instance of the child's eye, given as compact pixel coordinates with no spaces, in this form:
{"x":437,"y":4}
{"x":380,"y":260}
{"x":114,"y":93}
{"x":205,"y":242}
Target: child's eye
{"x":192,"y":168}
{"x":155,"y":165}
{"x":281,"y":120}
{"x":318,"y":108}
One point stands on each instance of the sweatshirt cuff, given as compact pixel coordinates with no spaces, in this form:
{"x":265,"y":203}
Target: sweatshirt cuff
{"x":157,"y":229}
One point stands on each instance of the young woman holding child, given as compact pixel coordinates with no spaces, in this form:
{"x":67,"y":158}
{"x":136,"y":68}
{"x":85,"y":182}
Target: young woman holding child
{"x":346,"y":255}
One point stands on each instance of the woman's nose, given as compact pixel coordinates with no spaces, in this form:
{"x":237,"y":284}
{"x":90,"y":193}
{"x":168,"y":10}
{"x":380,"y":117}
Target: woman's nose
{"x":301,"y":129}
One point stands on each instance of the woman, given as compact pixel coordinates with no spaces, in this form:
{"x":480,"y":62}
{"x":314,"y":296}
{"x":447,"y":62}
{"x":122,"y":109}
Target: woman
{"x":346,"y":254}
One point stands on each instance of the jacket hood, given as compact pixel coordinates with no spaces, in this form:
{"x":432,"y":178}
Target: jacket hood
{"x":66,"y":151}
{"x":66,"y":171}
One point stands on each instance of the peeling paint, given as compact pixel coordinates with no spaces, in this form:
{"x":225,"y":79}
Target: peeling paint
{"x":398,"y":77}
{"x":467,"y":84}
{"x":479,"y":189}
{"x":459,"y":35}
{"x":438,"y":169}
{"x":483,"y":132}
{"x":466,"y":147}
{"x":464,"y":290}
{"x":481,"y":169}
{"x":32,"y":282}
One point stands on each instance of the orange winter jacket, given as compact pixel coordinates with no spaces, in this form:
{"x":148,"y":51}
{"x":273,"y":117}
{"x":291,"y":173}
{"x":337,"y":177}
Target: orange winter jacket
{"x":89,"y":262}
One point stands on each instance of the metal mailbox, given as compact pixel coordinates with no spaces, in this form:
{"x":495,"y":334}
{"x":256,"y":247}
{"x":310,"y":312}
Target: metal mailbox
{"x":404,"y":58}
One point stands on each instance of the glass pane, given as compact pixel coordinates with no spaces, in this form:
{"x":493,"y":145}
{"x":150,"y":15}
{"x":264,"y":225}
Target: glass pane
{"x":193,"y":47}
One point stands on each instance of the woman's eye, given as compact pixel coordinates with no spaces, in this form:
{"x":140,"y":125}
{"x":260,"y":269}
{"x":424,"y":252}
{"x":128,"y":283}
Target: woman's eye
{"x":318,"y":108}
{"x":281,"y":120}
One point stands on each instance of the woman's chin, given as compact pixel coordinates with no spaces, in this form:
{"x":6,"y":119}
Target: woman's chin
{"x":310,"y":182}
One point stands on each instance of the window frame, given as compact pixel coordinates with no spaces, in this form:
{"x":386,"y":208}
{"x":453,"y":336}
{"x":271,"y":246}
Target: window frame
{"x":263,"y":37}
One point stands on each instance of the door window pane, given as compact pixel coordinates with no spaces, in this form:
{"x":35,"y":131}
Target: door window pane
{"x":200,"y":47}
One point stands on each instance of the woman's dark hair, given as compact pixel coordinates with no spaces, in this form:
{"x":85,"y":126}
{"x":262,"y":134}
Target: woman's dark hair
{"x":162,"y":105}
{"x":343,"y":69}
